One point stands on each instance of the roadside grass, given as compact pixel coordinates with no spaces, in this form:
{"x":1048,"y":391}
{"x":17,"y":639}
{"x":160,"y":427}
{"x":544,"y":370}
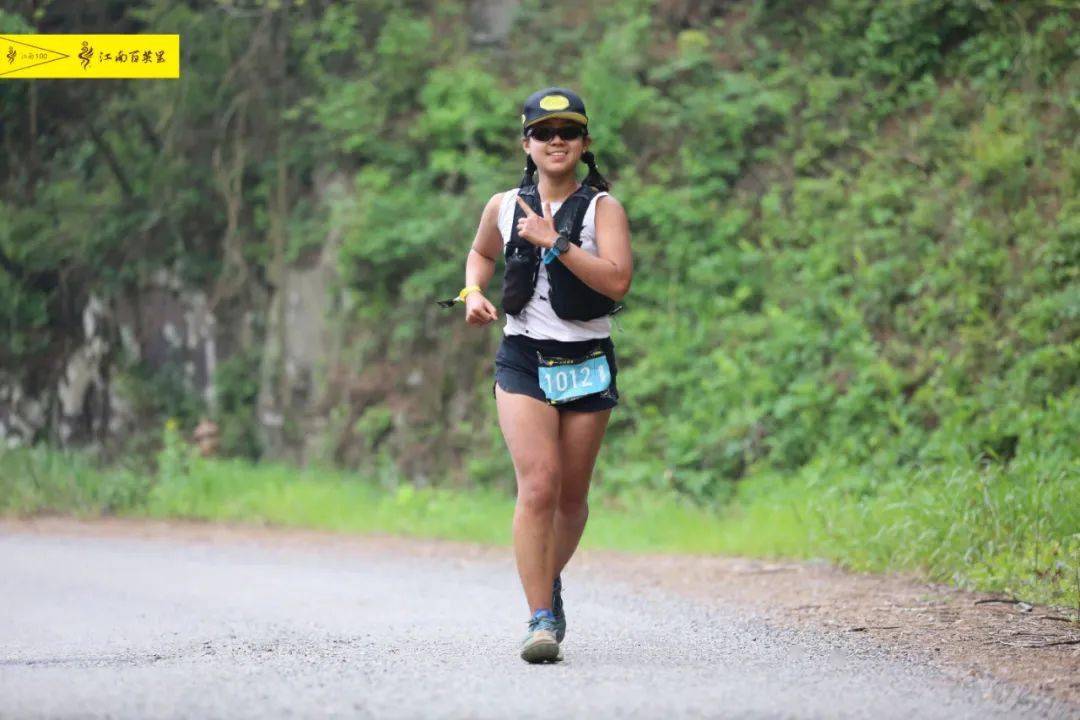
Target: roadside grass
{"x":1012,"y":529}
{"x":40,"y":480}
{"x":238,"y":491}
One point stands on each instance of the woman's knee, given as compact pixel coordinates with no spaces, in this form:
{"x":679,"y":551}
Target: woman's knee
{"x":538,"y":488}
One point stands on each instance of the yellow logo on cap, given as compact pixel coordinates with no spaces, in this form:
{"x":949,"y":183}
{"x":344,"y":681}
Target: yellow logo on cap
{"x":554,"y":102}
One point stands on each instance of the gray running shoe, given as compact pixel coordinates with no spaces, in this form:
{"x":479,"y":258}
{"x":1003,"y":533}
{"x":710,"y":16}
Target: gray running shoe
{"x":557,"y":609}
{"x":540,"y":644}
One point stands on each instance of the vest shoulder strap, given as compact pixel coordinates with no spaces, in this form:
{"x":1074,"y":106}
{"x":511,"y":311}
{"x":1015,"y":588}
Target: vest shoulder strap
{"x":584,"y":196}
{"x":568,"y":218}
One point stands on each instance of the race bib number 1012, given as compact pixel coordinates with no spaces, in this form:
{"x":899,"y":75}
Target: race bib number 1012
{"x":566,"y":380}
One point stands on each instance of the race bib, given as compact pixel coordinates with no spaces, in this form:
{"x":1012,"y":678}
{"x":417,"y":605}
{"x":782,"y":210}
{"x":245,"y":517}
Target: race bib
{"x":563,"y":379}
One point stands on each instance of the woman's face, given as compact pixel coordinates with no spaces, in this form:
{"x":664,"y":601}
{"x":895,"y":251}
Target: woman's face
{"x":556,"y":156}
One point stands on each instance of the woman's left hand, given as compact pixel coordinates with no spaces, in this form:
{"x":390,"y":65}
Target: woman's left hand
{"x":537,"y":229}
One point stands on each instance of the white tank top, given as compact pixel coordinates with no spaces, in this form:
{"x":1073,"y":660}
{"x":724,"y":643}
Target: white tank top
{"x":538,"y":320}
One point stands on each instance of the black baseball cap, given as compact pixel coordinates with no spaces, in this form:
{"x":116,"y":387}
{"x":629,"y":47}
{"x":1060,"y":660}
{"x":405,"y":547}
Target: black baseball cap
{"x":553,"y":102}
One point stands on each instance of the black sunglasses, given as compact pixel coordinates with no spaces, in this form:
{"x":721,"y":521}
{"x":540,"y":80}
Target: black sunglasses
{"x":566,"y":132}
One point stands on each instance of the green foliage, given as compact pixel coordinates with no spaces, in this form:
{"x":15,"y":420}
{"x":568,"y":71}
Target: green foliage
{"x":159,"y":392}
{"x":13,"y":23}
{"x":855,"y":228}
{"x":41,"y":480}
{"x":1008,"y":529}
{"x":818,"y":279}
{"x":236,"y":382}
{"x":853,"y":221}
{"x":176,"y":456}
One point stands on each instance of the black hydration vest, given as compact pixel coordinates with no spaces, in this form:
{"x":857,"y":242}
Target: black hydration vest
{"x":570,"y":298}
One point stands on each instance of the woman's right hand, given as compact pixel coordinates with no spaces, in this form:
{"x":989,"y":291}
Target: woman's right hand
{"x":479,"y":310}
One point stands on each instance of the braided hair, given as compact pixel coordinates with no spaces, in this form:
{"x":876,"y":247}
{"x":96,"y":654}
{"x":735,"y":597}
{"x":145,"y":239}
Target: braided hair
{"x":530,"y":173}
{"x":594,"y":178}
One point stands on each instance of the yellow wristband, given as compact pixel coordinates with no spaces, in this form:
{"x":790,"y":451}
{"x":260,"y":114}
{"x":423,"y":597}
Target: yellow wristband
{"x":465,"y":292}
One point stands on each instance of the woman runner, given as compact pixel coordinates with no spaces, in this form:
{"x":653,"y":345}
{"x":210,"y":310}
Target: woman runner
{"x":554,"y":377}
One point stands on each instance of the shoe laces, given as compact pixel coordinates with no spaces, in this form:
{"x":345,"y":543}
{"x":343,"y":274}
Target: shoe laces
{"x":541,"y":623}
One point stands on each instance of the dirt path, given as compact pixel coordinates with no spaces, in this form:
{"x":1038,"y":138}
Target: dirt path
{"x":136,"y":619}
{"x":962,"y":633}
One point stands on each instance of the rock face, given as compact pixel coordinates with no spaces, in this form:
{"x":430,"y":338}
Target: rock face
{"x":21,"y":417}
{"x":163,"y":325}
{"x":330,"y":388}
{"x":162,"y":343}
{"x":299,"y":348}
{"x":82,"y":391}
{"x":491,"y":20}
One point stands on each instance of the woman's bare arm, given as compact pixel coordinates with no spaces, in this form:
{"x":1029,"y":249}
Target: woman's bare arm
{"x":480,"y":265}
{"x":610,"y":272}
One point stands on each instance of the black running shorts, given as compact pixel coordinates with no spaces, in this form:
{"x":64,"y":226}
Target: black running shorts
{"x":517,"y":369}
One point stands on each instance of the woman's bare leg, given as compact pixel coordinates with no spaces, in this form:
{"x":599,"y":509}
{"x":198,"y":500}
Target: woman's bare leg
{"x":531,"y":430}
{"x":580,"y":435}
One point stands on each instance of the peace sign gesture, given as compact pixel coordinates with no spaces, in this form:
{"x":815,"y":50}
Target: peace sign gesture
{"x":537,"y":229}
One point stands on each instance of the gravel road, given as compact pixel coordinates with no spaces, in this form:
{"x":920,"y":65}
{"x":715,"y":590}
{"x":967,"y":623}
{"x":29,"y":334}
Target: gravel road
{"x":129,"y":627}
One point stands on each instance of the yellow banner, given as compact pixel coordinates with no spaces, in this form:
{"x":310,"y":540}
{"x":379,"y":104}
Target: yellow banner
{"x":89,"y":57}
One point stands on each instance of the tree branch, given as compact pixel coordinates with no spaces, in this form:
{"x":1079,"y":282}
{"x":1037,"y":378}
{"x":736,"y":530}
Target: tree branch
{"x":110,"y":159}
